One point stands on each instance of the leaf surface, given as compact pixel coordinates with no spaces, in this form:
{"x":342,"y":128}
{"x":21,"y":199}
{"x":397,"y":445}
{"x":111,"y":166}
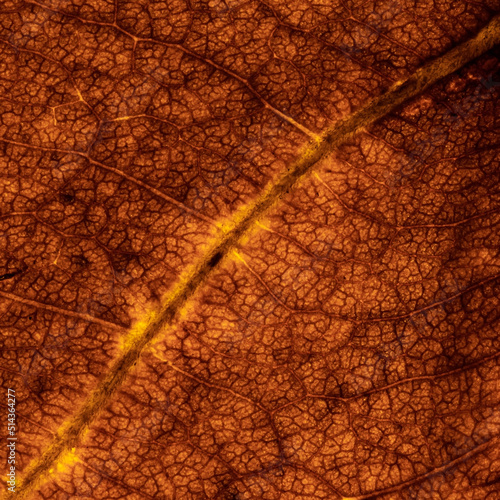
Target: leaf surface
{"x":198,"y":302}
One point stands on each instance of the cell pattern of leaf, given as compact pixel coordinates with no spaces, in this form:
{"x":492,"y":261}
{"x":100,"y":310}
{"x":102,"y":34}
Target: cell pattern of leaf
{"x":346,"y":347}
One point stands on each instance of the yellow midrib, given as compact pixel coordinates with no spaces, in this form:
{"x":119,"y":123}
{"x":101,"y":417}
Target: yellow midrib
{"x":71,"y":432}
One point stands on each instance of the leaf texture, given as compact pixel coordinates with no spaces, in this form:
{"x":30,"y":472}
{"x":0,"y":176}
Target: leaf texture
{"x":250,"y":250}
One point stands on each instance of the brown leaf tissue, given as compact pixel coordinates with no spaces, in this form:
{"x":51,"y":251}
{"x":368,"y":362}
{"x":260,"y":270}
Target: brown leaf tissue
{"x":250,"y":249}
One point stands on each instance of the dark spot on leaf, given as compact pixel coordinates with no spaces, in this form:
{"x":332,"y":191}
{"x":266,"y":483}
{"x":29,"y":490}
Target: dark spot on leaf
{"x":8,"y":276}
{"x":80,"y":261}
{"x":68,"y":196}
{"x":215,"y":259}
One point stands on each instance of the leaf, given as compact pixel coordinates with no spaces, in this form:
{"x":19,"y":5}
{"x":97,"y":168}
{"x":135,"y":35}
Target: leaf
{"x":251,"y":250}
